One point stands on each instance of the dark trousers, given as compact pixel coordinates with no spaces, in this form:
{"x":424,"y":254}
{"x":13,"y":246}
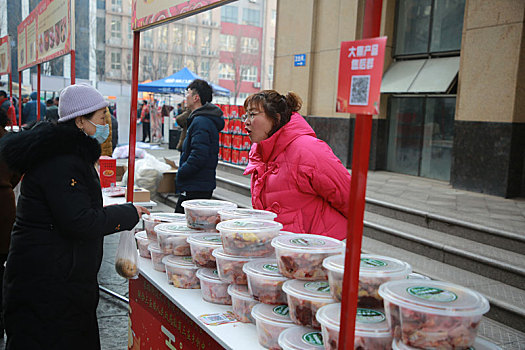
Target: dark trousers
{"x":3,"y":258}
{"x":146,"y":131}
{"x":184,"y":196}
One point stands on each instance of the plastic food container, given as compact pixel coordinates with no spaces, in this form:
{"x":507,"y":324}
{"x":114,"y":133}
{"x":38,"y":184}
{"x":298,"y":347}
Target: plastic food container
{"x":270,"y":321}
{"x":173,"y":237}
{"x":230,"y":266}
{"x":213,"y":289}
{"x":156,"y":257}
{"x":334,"y":266}
{"x":433,"y":314}
{"x":265,"y":281}
{"x":282,"y":233}
{"x":305,"y":298}
{"x":301,"y":338}
{"x":203,"y":214}
{"x":230,"y":214}
{"x":152,"y":220}
{"x":142,"y":244}
{"x":301,"y":256}
{"x":375,"y":270}
{"x":479,"y":344}
{"x":242,"y":303}
{"x":181,"y":271}
{"x":248,"y":237}
{"x":329,"y":316}
{"x":202,"y":246}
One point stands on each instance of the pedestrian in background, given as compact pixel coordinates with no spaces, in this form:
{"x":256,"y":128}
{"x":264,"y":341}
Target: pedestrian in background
{"x":289,"y":165}
{"x":106,"y":147}
{"x":8,"y":181}
{"x":50,"y":283}
{"x":182,"y":122}
{"x":30,"y":109}
{"x":145,"y":119}
{"x":51,"y":111}
{"x":114,"y":133}
{"x":198,"y":161}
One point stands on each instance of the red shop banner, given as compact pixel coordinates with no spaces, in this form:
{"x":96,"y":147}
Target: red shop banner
{"x":156,"y":323}
{"x":5,"y":56}
{"x":360,"y":74}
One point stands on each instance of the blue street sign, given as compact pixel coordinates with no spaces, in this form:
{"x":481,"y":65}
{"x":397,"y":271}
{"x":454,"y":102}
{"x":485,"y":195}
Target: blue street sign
{"x":299,"y":60}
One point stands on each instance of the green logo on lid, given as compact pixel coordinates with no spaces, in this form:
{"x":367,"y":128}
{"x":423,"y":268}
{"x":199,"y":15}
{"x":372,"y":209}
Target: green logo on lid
{"x":281,"y":310}
{"x":187,"y":258}
{"x":432,"y":294}
{"x":373,"y":262}
{"x":322,"y":287}
{"x":214,"y":239}
{"x":369,"y":316}
{"x":215,"y":272}
{"x":313,"y":338}
{"x":307,"y":242}
{"x":271,"y":267}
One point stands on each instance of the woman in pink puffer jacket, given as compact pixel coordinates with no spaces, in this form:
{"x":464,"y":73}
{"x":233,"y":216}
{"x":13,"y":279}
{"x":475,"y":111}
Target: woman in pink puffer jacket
{"x":294,"y":174}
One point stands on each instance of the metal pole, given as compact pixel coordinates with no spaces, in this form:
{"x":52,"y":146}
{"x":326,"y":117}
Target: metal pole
{"x":112,"y":293}
{"x":39,"y":71}
{"x":360,"y":160}
{"x":72,"y":67}
{"x":13,"y":122}
{"x":19,"y":100}
{"x":133,"y":115}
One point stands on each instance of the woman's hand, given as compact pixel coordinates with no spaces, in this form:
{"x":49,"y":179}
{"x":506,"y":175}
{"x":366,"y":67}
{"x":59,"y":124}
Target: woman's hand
{"x":141,"y":210}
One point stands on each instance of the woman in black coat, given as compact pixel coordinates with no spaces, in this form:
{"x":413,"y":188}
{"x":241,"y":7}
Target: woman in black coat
{"x":50,"y":281}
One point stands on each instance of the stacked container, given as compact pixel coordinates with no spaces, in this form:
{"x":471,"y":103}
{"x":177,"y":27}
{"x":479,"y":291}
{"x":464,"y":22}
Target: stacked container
{"x":248,"y":237}
{"x":203,"y":214}
{"x":270,"y":321}
{"x":242,"y":303}
{"x":202,"y":246}
{"x":301,"y":338}
{"x":172,"y":238}
{"x":181,"y":271}
{"x":213,"y":289}
{"x":152,"y":220}
{"x":265,"y":282}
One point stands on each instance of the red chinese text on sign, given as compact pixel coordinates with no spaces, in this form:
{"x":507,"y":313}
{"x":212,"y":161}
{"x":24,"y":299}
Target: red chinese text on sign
{"x":360,"y":73}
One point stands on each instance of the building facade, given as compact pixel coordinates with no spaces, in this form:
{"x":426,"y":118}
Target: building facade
{"x":452,"y":94}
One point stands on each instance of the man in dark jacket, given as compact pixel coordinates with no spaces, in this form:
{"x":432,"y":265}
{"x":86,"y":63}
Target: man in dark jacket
{"x":51,"y":111}
{"x":198,"y":161}
{"x":30,"y":110}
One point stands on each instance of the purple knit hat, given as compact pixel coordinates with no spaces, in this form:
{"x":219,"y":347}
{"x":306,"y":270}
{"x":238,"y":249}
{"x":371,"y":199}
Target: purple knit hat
{"x":79,"y":99}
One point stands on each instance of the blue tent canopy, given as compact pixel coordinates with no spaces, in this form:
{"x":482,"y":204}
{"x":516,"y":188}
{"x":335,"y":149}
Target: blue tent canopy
{"x":177,"y":83}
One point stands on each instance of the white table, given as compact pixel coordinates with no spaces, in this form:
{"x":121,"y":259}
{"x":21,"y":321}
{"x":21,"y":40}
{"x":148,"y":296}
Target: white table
{"x":121,"y":200}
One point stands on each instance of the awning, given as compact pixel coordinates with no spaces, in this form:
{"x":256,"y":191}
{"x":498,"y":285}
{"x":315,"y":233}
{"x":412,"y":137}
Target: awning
{"x":433,"y":75}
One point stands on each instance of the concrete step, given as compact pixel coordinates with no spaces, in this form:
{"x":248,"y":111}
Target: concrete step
{"x":234,"y":183}
{"x":450,"y":223}
{"x":507,"y":302}
{"x":485,"y":260}
{"x":242,"y":201}
{"x":230,"y":168}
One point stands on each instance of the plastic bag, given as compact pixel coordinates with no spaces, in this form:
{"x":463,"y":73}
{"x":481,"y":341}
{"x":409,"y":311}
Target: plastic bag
{"x":122,"y":152}
{"x":127,"y":256}
{"x":148,"y":172}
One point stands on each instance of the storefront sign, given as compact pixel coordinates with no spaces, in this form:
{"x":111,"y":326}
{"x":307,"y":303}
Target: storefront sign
{"x":360,"y":73}
{"x":5,"y":56}
{"x":46,"y":33}
{"x":147,"y":13}
{"x":156,"y":323}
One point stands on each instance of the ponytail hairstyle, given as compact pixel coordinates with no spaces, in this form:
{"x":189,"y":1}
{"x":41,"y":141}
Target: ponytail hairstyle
{"x":277,"y":107}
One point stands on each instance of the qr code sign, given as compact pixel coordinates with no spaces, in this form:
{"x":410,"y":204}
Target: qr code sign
{"x":359,"y":90}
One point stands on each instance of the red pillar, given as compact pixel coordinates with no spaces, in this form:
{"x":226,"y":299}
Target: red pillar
{"x":20,"y":99}
{"x":13,"y":122}
{"x":72,"y":67}
{"x":133,"y":115}
{"x":39,"y":72}
{"x":360,"y":160}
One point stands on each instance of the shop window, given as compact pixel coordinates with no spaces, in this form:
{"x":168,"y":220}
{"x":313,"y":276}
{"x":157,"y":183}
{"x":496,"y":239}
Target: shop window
{"x":228,"y":42}
{"x":115,"y":29}
{"x":251,"y":17}
{"x":249,"y":73}
{"x":249,"y":45}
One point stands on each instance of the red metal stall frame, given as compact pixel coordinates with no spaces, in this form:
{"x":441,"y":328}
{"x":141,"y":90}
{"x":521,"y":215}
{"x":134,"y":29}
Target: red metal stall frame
{"x":360,"y":160}
{"x":10,"y":77}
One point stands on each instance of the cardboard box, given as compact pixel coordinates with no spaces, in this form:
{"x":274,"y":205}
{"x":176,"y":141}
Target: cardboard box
{"x":167,"y":183}
{"x":121,"y":169}
{"x":140,"y":195}
{"x":107,"y":171}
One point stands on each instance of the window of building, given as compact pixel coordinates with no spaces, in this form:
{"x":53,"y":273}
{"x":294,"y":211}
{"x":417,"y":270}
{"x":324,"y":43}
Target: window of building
{"x":190,"y":63}
{"x":273,"y":19}
{"x":101,"y":30}
{"x":421,"y":136}
{"x":251,"y":17}
{"x":249,"y":73}
{"x":116,"y":5}
{"x":130,"y":32}
{"x":249,"y":45}
{"x":205,"y":42}
{"x":176,"y":61}
{"x":115,"y":60}
{"x":270,"y":71}
{"x":191,"y":40}
{"x":228,"y":42}
{"x":115,"y":28}
{"x":162,"y":37}
{"x":205,"y":68}
{"x":147,"y":39}
{"x":163,"y":65}
{"x":129,"y":62}
{"x":177,"y":38}
{"x":206,"y":18}
{"x":101,"y":4}
{"x":229,"y":14}
{"x":426,"y":27}
{"x":226,"y":71}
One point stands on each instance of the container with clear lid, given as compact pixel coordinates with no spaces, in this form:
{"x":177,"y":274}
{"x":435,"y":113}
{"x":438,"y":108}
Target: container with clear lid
{"x":417,"y":276}
{"x":230,"y":214}
{"x":142,"y":244}
{"x":301,"y":338}
{"x":335,"y":269}
{"x":154,"y":219}
{"x":156,"y":257}
{"x":375,"y":270}
{"x":242,"y":303}
{"x":265,"y":281}
{"x":213,"y":289}
{"x":203,"y":214}
{"x":248,"y":237}
{"x":479,"y":344}
{"x":433,"y":314}
{"x":305,"y":298}
{"x":230,"y":266}
{"x":301,"y":256}
{"x":202,"y":245}
{"x":270,"y":321}
{"x":172,"y":238}
{"x":181,"y":271}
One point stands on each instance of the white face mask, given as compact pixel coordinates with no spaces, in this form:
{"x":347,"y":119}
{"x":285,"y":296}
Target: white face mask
{"x":102,"y":132}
